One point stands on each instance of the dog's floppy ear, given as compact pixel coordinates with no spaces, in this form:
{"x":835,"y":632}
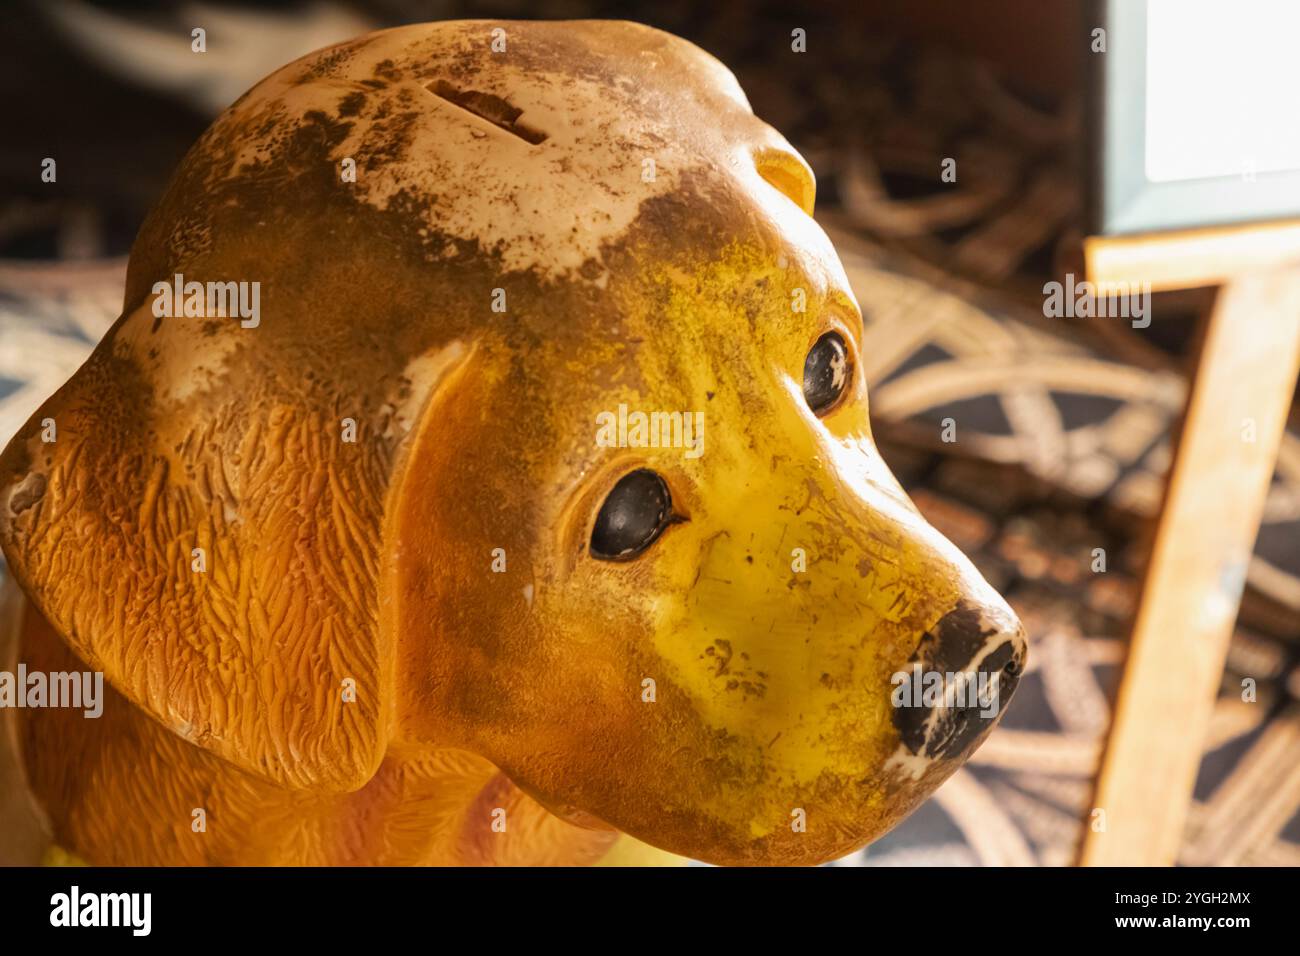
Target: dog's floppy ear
{"x":192,"y":514}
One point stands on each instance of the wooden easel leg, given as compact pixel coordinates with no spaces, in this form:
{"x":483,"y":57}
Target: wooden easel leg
{"x":1236,"y":414}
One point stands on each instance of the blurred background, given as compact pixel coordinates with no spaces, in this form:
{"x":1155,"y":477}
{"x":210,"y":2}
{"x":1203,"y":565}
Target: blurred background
{"x":1065,"y":424}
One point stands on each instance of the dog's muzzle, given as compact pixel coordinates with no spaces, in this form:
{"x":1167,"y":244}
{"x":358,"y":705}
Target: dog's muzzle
{"x":959,"y":681}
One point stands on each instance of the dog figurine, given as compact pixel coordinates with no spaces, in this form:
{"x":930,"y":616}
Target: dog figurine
{"x":480,"y":472}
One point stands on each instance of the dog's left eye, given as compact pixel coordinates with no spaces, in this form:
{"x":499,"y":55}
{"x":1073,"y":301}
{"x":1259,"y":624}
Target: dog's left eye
{"x":825,"y":372}
{"x":634,"y":514}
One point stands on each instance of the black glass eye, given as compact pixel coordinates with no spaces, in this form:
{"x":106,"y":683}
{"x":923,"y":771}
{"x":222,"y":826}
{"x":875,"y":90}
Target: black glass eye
{"x":825,"y":372}
{"x":634,"y":514}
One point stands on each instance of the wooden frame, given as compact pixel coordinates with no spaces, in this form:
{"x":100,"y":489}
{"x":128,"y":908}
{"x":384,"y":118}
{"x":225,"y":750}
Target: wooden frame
{"x":1236,"y":414}
{"x":1191,"y":258}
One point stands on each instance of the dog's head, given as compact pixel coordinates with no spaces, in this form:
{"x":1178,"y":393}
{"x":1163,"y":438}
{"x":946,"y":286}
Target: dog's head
{"x":543,"y":434}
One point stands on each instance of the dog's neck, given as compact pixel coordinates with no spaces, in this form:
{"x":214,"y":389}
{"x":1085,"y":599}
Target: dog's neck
{"x":123,"y":790}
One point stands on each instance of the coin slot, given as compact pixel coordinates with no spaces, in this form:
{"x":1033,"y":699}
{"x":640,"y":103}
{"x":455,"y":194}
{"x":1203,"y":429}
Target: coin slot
{"x":494,"y":109}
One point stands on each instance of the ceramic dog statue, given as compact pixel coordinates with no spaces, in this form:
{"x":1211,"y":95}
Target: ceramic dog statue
{"x":480,"y":472}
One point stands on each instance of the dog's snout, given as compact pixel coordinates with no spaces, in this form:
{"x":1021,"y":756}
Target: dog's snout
{"x":973,"y":637}
{"x":960,"y":679}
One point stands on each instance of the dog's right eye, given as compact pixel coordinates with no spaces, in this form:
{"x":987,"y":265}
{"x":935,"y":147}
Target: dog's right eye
{"x":826,"y":373}
{"x":634,"y":514}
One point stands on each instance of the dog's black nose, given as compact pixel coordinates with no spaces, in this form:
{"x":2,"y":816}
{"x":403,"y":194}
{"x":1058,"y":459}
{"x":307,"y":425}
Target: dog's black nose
{"x":959,"y":680}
